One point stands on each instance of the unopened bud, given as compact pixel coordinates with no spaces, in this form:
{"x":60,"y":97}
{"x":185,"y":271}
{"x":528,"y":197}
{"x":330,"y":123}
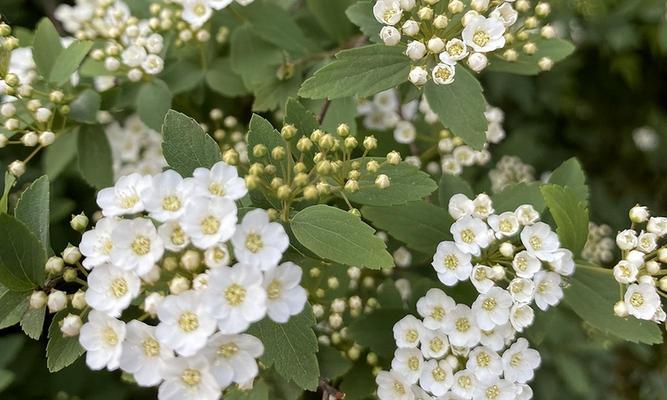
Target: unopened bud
{"x":288,"y":131}
{"x":79,"y":300}
{"x":37,"y":299}
{"x":79,"y":222}
{"x":71,"y":254}
{"x":54,"y":265}
{"x":56,"y":301}
{"x":393,"y":158}
{"x":382,"y":181}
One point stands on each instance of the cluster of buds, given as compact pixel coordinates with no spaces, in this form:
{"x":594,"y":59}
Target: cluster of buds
{"x":508,"y":171}
{"x":134,"y":147}
{"x":599,"y":248}
{"x":316,"y":167}
{"x":440,"y":37}
{"x":229,"y":133}
{"x":186,"y":18}
{"x":641,"y":270}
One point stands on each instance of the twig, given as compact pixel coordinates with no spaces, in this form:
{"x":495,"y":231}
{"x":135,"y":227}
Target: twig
{"x":323,"y":111}
{"x":329,"y":392}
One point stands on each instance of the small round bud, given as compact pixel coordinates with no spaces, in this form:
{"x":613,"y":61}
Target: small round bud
{"x":620,"y":309}
{"x":56,"y":96}
{"x":416,"y":50}
{"x":441,"y":22}
{"x":410,"y":27}
{"x":191,"y":260}
{"x":47,"y":138}
{"x":652,"y":267}
{"x":70,"y":275}
{"x":79,"y":300}
{"x":216,"y":114}
{"x":353,"y":353}
{"x":259,"y":151}
{"x":662,"y":255}
{"x":335,"y":320}
{"x":57,"y":301}
{"x":5,"y":30}
{"x":507,"y":250}
{"x":316,"y":135}
{"x":418,"y":76}
{"x":304,"y":144}
{"x":43,"y":114}
{"x":179,"y":284}
{"x":351,"y":143}
{"x":425,"y":13}
{"x":70,"y":325}
{"x":523,"y":5}
{"x":310,"y":193}
{"x":435,"y":45}
{"x":288,"y":131}
{"x":230,"y":157}
{"x":343,"y":130}
{"x":8,"y":110}
{"x":79,"y":222}
{"x":352,"y":186}
{"x":135,"y":74}
{"x":662,"y":283}
{"x":498,"y":272}
{"x":37,"y":299}
{"x":382,"y":181}
{"x":284,"y":192}
{"x":112,"y":64}
{"x":638,"y":214}
{"x":548,"y":32}
{"x":530,"y":48}
{"x":11,"y":80}
{"x":17,"y":168}
{"x":71,"y":254}
{"x":390,"y":36}
{"x":455,"y":6}
{"x":278,"y":153}
{"x":373,"y":166}
{"x":545,"y":63}
{"x":393,"y":158}
{"x":54,"y":265}
{"x":477,"y":62}
{"x":326,"y":142}
{"x":542,"y":9}
{"x":30,"y":139}
{"x":323,"y":167}
{"x":510,"y":55}
{"x":370,"y":143}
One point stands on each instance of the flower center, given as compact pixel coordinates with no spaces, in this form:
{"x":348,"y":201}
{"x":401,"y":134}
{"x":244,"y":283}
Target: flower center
{"x":119,"y":288}
{"x":464,"y":381}
{"x":505,"y":226}
{"x":216,"y":189}
{"x":129,"y":201}
{"x":227,"y":350}
{"x":443,"y":73}
{"x":411,"y":335}
{"x":480,"y":274}
{"x":151,"y":347}
{"x":451,"y":261}
{"x":492,"y":392}
{"x":171,"y":203}
{"x":188,"y":322}
{"x":110,"y":336}
{"x":637,"y":300}
{"x":515,"y":361}
{"x":438,"y":313}
{"x":177,"y":236}
{"x":389,"y":14}
{"x":521,"y":263}
{"x":191,"y":377}
{"x":413,"y":363}
{"x":436,"y":345}
{"x":141,"y":245}
{"x":462,"y":324}
{"x":107,"y":246}
{"x":489,"y":304}
{"x":535,"y":242}
{"x":468,"y":236}
{"x":199,"y":10}
{"x":253,"y":242}
{"x":481,"y":38}
{"x":542,"y":287}
{"x":275,"y":289}
{"x":439,"y":374}
{"x":210,"y":225}
{"x":455,"y":50}
{"x":399,"y":388}
{"x":483,"y":359}
{"x":235,"y":294}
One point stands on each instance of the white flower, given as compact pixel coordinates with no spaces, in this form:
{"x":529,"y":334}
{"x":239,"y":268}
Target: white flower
{"x":111,"y":289}
{"x":153,"y":64}
{"x":506,"y":13}
{"x":208,"y":221}
{"x":460,"y":205}
{"x":484,"y":34}
{"x":259,"y":242}
{"x":483,"y":206}
{"x":165,"y":199}
{"x":387,"y":12}
{"x":235,"y":297}
{"x":466,"y":157}
{"x":418,"y":76}
{"x":408,"y":362}
{"x":233,"y":358}
{"x":461,"y":326}
{"x":437,"y":377}
{"x":639,"y":214}
{"x":526,"y":214}
{"x":102,"y":337}
{"x":134,"y":55}
{"x":521,"y":316}
{"x":416,"y":50}
{"x":390,"y":35}
{"x":547,"y":289}
{"x":484,"y":363}
{"x":433,"y":307}
{"x":563,"y":262}
{"x":220,"y":4}
{"x":188,"y":378}
{"x":520,"y":362}
{"x":393,"y":386}
{"x":196,"y":12}
{"x":434,"y":343}
{"x":626,"y":272}
{"x":642,"y":300}
{"x":471,"y":235}
{"x":173,"y":236}
{"x":481,"y":278}
{"x":455,"y":50}
{"x":184,"y":323}
{"x":647,"y":242}
{"x":143,"y":356}
{"x":493,"y":308}
{"x":495,"y":389}
{"x":627,"y":239}
{"x":421,"y":394}
{"x":405,"y":132}
{"x":222,"y":180}
{"x":505,"y":224}
{"x":284,"y":296}
{"x":443,"y":74}
{"x":464,"y":384}
{"x":136,"y":245}
{"x":154,"y":43}
{"x":525,"y":264}
{"x":407,"y":332}
{"x":524,"y":392}
{"x":496,"y":338}
{"x":657,"y":225}
{"x":402,"y":256}
{"x":451,"y":264}
{"x":522,"y":290}
{"x":96,"y":244}
{"x":540,"y":241}
{"x":125,"y":196}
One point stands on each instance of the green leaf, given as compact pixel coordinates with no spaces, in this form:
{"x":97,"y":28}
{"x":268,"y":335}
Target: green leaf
{"x":262,"y":132}
{"x":153,"y":102}
{"x":361,"y":14}
{"x":259,"y":391}
{"x":58,"y":155}
{"x":32,"y":209}
{"x":221,"y":78}
{"x":331,"y":16}
{"x":290,"y":348}
{"x":68,"y":61}
{"x":9,"y":182}
{"x":421,"y":226}
{"x":85,"y":107}
{"x":338,"y":236}
{"x":32,"y":322}
{"x":555,"y":49}
{"x":22,"y":256}
{"x":513,"y":196}
{"x":570,"y":215}
{"x":332,"y":363}
{"x":46,"y":46}
{"x":407,"y":183}
{"x":6,"y":379}
{"x":359,"y":383}
{"x":365,"y":331}
{"x":186,"y":146}
{"x":10,"y":301}
{"x":182,"y":76}
{"x":451,"y":185}
{"x":460,"y":106}
{"x":343,"y":110}
{"x":61,"y":351}
{"x":363,"y":71}
{"x":271,"y":94}
{"x":571,"y":174}
{"x":592,"y":296}
{"x":95,"y":159}
{"x":254,"y":59}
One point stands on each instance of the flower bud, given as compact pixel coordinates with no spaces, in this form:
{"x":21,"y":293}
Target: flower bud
{"x":351,"y":186}
{"x":393,"y":158}
{"x":304,"y":144}
{"x":638,"y":214}
{"x":37,"y":299}
{"x":548,"y":32}
{"x":29,"y":139}
{"x":510,"y":55}
{"x":662,"y":255}
{"x":407,"y":5}
{"x":56,"y":96}
{"x":350,"y":143}
{"x":71,"y":254}
{"x":370,"y":142}
{"x":310,"y":193}
{"x":70,"y":325}
{"x":278,"y":153}
{"x":70,"y":275}
{"x":435,"y":45}
{"x":530,"y":48}
{"x":418,"y":76}
{"x":79,"y":300}
{"x":390,"y":36}
{"x":507,"y":250}
{"x":17,"y":168}
{"x":662,"y":283}
{"x":498,"y":272}
{"x":151,"y":302}
{"x":47,"y":138}
{"x":230,"y":157}
{"x":191,"y":260}
{"x":178,"y":285}
{"x":283,"y":192}
{"x":477,"y":62}
{"x":56,"y":301}
{"x":652,"y":267}
{"x":259,"y":151}
{"x":326,"y":142}
{"x":542,"y":9}
{"x":425,"y":13}
{"x":54,"y":265}
{"x":410,"y":27}
{"x":382,"y":181}
{"x":545,"y":63}
{"x":620,"y":309}
{"x":79,"y":222}
{"x":8,"y":110}
{"x":441,"y":22}
{"x":288,"y":131}
{"x":415,"y":50}
{"x":455,"y":6}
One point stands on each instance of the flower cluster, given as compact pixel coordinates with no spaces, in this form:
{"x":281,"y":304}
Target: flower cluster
{"x":508,"y":171}
{"x":640,"y":273}
{"x":489,"y":249}
{"x":198,"y":12}
{"x":445,"y":355}
{"x":135,"y":148}
{"x":599,"y":248}
{"x":464,"y":31}
{"x":165,"y":233}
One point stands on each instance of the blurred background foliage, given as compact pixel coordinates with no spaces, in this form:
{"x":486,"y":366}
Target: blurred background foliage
{"x":589,"y":106}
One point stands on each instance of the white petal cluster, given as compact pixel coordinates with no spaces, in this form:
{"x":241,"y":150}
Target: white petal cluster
{"x":641,"y":270}
{"x":600,"y":244}
{"x":135,"y":148}
{"x":510,"y":170}
{"x":198,"y":12}
{"x":198,"y":345}
{"x":446,"y":355}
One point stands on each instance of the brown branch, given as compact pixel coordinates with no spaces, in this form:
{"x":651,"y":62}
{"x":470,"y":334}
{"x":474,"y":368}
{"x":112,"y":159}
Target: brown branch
{"x":329,"y":392}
